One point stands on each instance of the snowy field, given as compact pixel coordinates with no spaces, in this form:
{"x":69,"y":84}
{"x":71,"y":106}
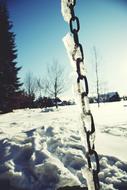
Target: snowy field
{"x":42,"y":150}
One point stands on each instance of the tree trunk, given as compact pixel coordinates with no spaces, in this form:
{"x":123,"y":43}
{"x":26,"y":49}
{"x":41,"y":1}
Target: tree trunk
{"x":56,"y":102}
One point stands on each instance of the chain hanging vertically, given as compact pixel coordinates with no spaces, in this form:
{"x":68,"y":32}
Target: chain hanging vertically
{"x":77,"y":56}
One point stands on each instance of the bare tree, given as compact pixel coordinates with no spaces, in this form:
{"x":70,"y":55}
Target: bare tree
{"x":97,"y":76}
{"x":42,"y":86}
{"x":55,"y":84}
{"x":30,"y":84}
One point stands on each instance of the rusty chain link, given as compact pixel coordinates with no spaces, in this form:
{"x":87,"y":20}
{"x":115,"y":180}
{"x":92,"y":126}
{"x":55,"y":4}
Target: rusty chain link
{"x":91,"y":155}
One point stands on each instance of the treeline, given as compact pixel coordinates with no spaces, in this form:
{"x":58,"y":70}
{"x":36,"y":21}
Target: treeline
{"x":24,"y":101}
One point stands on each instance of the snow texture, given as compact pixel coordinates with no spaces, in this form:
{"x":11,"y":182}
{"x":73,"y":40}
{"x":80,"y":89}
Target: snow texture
{"x":42,"y":150}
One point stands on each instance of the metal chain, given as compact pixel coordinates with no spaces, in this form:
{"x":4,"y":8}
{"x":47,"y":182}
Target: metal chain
{"x":91,"y":155}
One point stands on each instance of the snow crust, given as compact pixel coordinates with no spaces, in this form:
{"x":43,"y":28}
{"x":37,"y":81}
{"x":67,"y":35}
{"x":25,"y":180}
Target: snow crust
{"x":42,"y":150}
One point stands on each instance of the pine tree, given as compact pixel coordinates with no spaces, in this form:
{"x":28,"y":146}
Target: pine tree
{"x":9,"y":81}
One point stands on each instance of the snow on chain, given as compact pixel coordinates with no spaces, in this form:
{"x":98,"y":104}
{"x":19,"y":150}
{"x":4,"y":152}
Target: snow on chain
{"x":66,"y":10}
{"x":73,"y":52}
{"x":87,"y":173}
{"x":70,"y":47}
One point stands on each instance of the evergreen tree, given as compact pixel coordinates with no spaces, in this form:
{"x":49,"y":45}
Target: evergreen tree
{"x":9,"y":81}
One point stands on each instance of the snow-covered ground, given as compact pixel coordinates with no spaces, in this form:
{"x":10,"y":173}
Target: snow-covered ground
{"x":42,"y":149}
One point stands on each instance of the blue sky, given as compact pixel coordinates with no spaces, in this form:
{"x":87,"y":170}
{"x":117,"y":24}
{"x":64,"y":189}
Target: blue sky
{"x":39,"y":29}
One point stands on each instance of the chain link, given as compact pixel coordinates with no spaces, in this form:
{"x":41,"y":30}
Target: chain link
{"x":83,"y":90}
